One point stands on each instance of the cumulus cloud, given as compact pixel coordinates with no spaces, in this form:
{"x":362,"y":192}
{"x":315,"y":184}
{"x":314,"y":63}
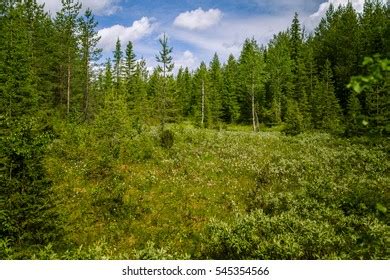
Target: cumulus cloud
{"x":357,"y":4}
{"x":186,"y":59}
{"x":228,"y":37}
{"x":198,"y":19}
{"x":101,"y":7}
{"x":138,"y":30}
{"x":315,"y":18}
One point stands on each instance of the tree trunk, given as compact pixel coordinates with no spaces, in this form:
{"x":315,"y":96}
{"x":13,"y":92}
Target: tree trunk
{"x":203,"y":99}
{"x":68,"y":85}
{"x":86,"y":96}
{"x":253,"y":108}
{"x":86,"y":91}
{"x":163,"y":99}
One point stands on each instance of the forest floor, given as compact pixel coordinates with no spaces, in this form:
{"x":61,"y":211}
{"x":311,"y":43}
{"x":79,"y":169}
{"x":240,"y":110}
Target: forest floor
{"x":128,"y":197}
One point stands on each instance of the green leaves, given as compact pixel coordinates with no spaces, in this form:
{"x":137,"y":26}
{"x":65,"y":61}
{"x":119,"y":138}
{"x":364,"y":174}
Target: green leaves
{"x":374,"y":91}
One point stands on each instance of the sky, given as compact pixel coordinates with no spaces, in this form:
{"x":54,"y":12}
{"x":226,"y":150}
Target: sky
{"x":196,"y":29}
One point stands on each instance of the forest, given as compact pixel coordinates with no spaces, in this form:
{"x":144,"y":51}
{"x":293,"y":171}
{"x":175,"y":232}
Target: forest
{"x":279,"y":153}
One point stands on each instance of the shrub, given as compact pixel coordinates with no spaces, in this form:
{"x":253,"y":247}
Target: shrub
{"x":167,"y":138}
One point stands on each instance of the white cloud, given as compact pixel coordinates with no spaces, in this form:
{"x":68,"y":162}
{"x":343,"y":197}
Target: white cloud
{"x":313,"y":20}
{"x":100,"y":7}
{"x":198,"y":19}
{"x":228,"y":37}
{"x":357,"y":4}
{"x":186,"y":59}
{"x":137,"y":31}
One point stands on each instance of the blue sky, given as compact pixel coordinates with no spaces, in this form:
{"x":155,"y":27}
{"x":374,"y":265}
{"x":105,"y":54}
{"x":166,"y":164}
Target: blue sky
{"x":196,"y":29}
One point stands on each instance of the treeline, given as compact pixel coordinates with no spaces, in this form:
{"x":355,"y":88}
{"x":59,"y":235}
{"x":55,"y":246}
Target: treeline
{"x":298,"y":79}
{"x":49,"y":72}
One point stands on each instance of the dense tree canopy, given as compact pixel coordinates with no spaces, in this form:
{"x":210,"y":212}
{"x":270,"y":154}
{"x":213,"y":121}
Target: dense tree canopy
{"x":48,"y":76}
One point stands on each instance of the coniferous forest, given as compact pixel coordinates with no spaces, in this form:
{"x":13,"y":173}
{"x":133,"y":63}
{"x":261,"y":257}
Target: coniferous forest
{"x":279,"y":153}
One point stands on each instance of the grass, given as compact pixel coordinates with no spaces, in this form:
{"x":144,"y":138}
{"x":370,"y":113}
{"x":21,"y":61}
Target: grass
{"x":132,"y":193}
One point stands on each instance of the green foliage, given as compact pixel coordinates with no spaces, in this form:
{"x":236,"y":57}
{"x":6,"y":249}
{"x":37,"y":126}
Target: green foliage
{"x":327,"y":112}
{"x":28,"y":215}
{"x":374,"y":91}
{"x":311,"y":209}
{"x":118,"y":65}
{"x":150,"y":252}
{"x":230,"y":105}
{"x":294,"y":119}
{"x":167,"y":138}
{"x":251,"y":81}
{"x":112,"y":185}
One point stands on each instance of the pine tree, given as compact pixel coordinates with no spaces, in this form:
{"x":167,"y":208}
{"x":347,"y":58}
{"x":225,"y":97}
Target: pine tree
{"x":296,"y":42}
{"x":90,"y":53}
{"x":337,"y":40}
{"x":355,"y":120}
{"x":294,"y":120}
{"x":230,"y":106}
{"x":301,"y":77}
{"x":280,"y":74}
{"x":130,"y":66}
{"x":166,"y":98}
{"x":27,"y":216}
{"x":66,"y":22}
{"x":201,"y":94}
{"x":216,"y":88}
{"x":327,"y":109}
{"x":251,"y":67}
{"x":108,"y":79}
{"x":374,"y":23}
{"x":118,"y":65}
{"x":141,"y":108}
{"x":184,"y":91}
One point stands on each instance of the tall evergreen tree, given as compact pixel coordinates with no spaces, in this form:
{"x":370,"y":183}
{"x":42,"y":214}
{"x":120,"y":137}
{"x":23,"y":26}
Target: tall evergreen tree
{"x":66,"y":22}
{"x":165,"y":58}
{"x":118,"y":65}
{"x":141,"y":106}
{"x":108,"y":78}
{"x":251,"y":67}
{"x":27,"y":214}
{"x":216,"y":84}
{"x":230,"y":106}
{"x":327,"y":110}
{"x":337,"y":40}
{"x":184,"y":88}
{"x":201,"y":90}
{"x":90,"y":53}
{"x":280,"y":74}
{"x":130,"y":66}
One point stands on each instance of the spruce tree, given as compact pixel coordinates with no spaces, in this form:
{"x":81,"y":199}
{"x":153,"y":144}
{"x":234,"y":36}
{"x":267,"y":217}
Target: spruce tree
{"x":130,"y":66}
{"x":354,"y":118}
{"x":230,"y":106}
{"x":328,"y":113}
{"x":216,"y":88}
{"x":67,"y":27}
{"x":108,"y":78}
{"x":165,"y":96}
{"x":118,"y":65}
{"x":90,"y":53}
{"x":280,"y":74}
{"x":184,"y":91}
{"x":201,"y":93}
{"x":141,"y":106}
{"x":28,"y":218}
{"x":251,"y":67}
